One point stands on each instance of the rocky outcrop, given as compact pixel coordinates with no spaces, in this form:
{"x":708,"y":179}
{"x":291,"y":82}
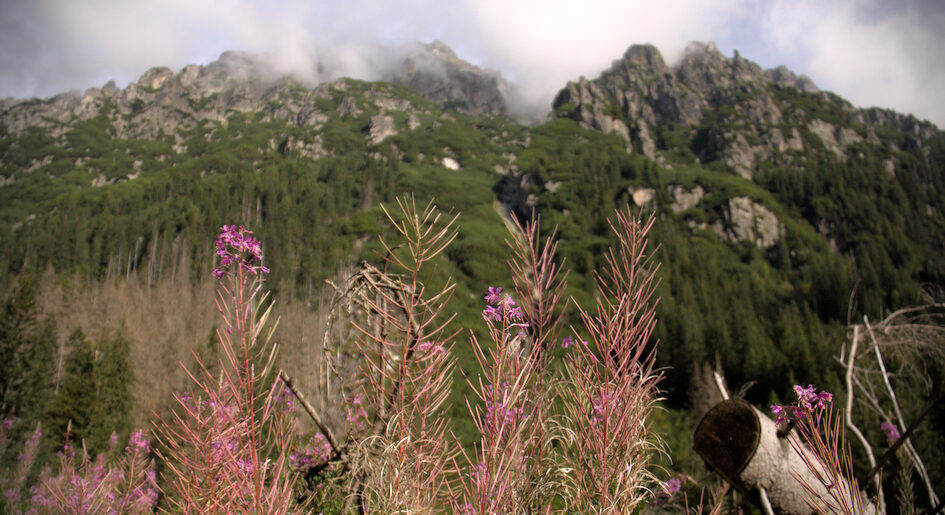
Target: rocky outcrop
{"x":642,"y":197}
{"x":437,"y":74}
{"x":684,"y":199}
{"x":745,"y":220}
{"x":164,"y":102}
{"x":382,"y":126}
{"x":785,"y":77}
{"x":744,"y":115}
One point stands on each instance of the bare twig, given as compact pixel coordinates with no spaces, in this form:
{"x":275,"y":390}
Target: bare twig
{"x":917,"y":461}
{"x":329,"y":434}
{"x":848,"y":416}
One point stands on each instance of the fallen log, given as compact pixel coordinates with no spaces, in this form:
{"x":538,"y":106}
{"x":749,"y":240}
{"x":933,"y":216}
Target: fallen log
{"x":742,"y":444}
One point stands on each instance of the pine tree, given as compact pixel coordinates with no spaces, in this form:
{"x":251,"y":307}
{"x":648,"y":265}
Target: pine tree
{"x":17,"y":321}
{"x":27,"y":358}
{"x":112,"y":410}
{"x":38,"y":364}
{"x":72,"y":408}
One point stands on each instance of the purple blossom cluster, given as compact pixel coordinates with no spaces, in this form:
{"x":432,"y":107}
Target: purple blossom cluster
{"x":671,"y":486}
{"x":226,"y":446}
{"x":355,"y":414}
{"x":104,"y":485}
{"x":598,"y":404}
{"x":237,"y":245}
{"x":430,"y":347}
{"x":286,"y":398}
{"x":317,"y":451}
{"x":568,"y":341}
{"x":15,"y":484}
{"x":502,"y":308}
{"x":808,"y":401}
{"x":891,"y":431}
{"x":497,"y":410}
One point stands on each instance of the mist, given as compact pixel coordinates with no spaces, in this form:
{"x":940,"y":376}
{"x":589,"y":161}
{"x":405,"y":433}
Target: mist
{"x":863,"y":51}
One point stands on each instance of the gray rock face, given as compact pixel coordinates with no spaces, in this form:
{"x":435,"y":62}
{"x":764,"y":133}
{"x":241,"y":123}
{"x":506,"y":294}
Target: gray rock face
{"x":685,"y":198}
{"x":740,"y":107}
{"x":162,"y":101}
{"x":744,"y":220}
{"x":782,"y":75}
{"x":382,"y":126}
{"x":437,"y":74}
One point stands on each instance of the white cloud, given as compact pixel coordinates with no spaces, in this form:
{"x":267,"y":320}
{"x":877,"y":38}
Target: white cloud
{"x":547,"y":43}
{"x":867,"y":54}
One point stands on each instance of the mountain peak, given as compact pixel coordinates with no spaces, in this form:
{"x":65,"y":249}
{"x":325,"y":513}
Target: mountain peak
{"x":436,"y":73}
{"x":738,"y":108}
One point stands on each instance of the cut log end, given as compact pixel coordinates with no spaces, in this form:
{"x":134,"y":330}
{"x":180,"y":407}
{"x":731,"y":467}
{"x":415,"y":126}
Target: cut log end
{"x":728,"y":436}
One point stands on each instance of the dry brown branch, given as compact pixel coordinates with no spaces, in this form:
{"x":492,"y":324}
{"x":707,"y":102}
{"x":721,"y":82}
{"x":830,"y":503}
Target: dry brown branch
{"x":329,"y":434}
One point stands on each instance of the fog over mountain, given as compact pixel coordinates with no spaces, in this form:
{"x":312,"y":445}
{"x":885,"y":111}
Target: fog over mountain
{"x":871,"y":52}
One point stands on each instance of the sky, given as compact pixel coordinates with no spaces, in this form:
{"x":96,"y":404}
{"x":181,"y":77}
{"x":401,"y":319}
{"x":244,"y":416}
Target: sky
{"x":872,"y":52}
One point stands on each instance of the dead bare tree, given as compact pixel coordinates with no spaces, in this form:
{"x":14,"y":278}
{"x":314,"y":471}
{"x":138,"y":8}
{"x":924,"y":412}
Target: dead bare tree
{"x":911,"y":341}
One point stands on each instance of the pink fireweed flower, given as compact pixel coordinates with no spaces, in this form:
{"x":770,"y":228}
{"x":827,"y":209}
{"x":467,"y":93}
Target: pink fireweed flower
{"x":430,"y":347}
{"x":804,"y":393}
{"x":671,"y":486}
{"x":236,"y":245}
{"x":597,"y":408}
{"x":809,"y":398}
{"x":503,"y":308}
{"x":497,"y":408}
{"x":808,"y":401}
{"x":356,"y":415}
{"x":891,"y":431}
{"x":567,"y":342}
{"x":493,"y":295}
{"x":492,"y":313}
{"x":317,"y":451}
{"x":137,"y":442}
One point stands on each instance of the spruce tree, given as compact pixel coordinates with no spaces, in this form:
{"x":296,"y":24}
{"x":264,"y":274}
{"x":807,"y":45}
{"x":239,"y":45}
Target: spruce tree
{"x":27,"y":360}
{"x":112,"y":410}
{"x":72,"y":408}
{"x":17,"y":321}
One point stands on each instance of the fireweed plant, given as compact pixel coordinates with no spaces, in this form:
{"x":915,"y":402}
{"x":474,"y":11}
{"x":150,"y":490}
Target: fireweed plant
{"x":514,"y":470}
{"x":224,"y":448}
{"x":407,"y":365}
{"x":611,"y":385}
{"x":824,"y":450}
{"x":112,"y":483}
{"x":498,"y":481}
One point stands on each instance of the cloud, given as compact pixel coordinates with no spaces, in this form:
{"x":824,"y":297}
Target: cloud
{"x":547,"y":43}
{"x":871,"y":55}
{"x":866,"y":52}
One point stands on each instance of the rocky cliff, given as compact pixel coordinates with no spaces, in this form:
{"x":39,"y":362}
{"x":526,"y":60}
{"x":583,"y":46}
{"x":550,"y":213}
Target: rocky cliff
{"x":725,"y":109}
{"x":164,"y":101}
